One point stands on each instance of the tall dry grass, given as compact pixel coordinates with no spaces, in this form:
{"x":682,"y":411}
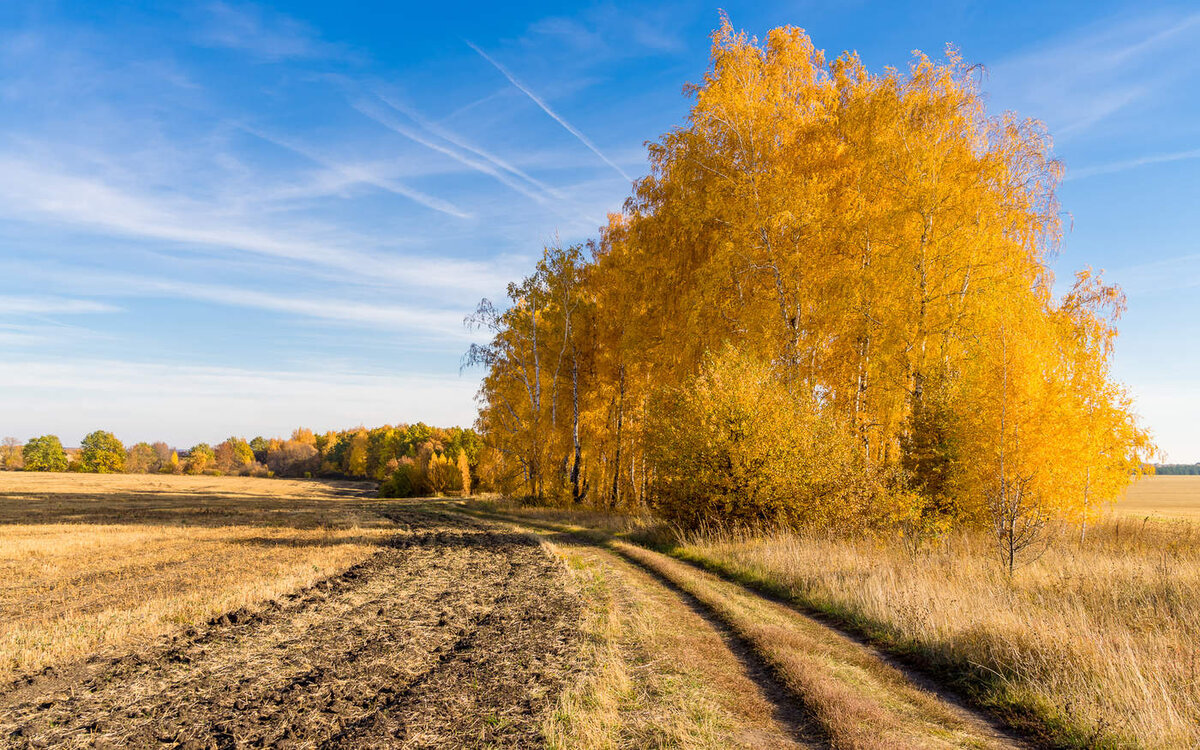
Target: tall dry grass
{"x":90,"y":564}
{"x":1096,"y":644}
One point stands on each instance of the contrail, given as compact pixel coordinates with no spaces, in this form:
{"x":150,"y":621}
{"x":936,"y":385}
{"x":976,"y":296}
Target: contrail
{"x":391,"y":124}
{"x":451,"y":137}
{"x":359,"y":175}
{"x":1121,"y":166}
{"x":546,"y":108}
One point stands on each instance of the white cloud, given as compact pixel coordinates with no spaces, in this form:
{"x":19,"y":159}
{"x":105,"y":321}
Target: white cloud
{"x":260,"y":32}
{"x":419,"y":322}
{"x":440,"y":322}
{"x":1080,"y":80}
{"x":11,"y":305}
{"x":492,"y":166}
{"x":29,"y":190}
{"x":367,"y":174}
{"x":184,"y":404}
{"x":1126,"y":164}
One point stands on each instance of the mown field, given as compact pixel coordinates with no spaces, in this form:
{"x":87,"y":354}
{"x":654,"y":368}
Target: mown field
{"x":98,"y":562}
{"x":1165,"y":497}
{"x":148,"y":611}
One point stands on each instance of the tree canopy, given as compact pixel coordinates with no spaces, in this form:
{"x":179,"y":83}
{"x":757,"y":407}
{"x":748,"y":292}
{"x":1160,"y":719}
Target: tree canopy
{"x":828,"y":304}
{"x":45,"y":453}
{"x":101,"y":453}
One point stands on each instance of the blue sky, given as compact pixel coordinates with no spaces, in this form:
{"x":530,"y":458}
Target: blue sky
{"x":225,"y":218}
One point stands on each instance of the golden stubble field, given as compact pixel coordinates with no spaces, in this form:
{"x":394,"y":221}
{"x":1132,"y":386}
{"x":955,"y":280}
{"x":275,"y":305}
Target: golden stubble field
{"x":146,"y":611}
{"x":1161,"y":497}
{"x":95,"y":563}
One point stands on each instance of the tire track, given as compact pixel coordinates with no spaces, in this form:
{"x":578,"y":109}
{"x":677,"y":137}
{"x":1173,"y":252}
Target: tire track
{"x":788,"y":723}
{"x":857,"y":697}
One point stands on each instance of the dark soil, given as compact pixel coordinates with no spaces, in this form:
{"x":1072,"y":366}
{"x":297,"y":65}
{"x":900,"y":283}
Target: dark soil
{"x":457,"y":634}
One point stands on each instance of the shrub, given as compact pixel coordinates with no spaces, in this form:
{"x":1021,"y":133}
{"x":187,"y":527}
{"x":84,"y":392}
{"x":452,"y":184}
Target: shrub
{"x":742,"y":446}
{"x":400,"y":483}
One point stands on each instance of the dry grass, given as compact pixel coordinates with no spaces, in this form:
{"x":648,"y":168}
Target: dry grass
{"x":96,"y":563}
{"x":859,"y":700}
{"x":1093,"y":645}
{"x":1162,"y":497}
{"x":620,"y":703}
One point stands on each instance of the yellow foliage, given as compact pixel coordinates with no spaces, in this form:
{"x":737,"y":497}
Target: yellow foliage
{"x":829,"y":305}
{"x":736,"y":445}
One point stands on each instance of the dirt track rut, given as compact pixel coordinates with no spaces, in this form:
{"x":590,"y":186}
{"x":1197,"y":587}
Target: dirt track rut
{"x":457,"y":634}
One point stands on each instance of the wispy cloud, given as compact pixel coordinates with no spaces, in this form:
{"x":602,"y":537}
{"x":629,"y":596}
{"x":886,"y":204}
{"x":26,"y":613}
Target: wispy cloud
{"x":607,"y":31}
{"x":546,"y":108}
{"x":29,"y":191}
{"x":1125,"y":164}
{"x":261,"y":32}
{"x":380,"y":116}
{"x":1082,"y":79}
{"x":131,"y":397}
{"x":451,"y":137}
{"x":364,"y":174}
{"x":420,"y":322}
{"x":10,"y":305}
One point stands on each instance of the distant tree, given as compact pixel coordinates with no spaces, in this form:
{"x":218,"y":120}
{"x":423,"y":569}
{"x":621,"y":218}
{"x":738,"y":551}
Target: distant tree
{"x":464,"y":472}
{"x":11,"y":457}
{"x":401,"y":483}
{"x":45,"y":453}
{"x":1177,"y":469}
{"x":224,"y":460}
{"x":293,"y":458}
{"x":200,"y":458}
{"x":418,"y":433}
{"x":442,"y":474}
{"x":234,"y":456}
{"x":101,"y":453}
{"x":162,"y":456}
{"x":141,"y":458}
{"x":172,"y":465}
{"x":420,"y":471}
{"x":356,"y":456}
{"x":259,"y":445}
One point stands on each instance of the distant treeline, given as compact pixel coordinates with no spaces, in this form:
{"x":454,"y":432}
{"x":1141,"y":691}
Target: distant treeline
{"x":409,"y":459}
{"x":1178,"y":469}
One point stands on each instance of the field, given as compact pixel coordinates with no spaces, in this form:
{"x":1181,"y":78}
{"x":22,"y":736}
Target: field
{"x":145,"y":610}
{"x":1162,"y":497}
{"x":97,"y":562}
{"x":218,"y":611}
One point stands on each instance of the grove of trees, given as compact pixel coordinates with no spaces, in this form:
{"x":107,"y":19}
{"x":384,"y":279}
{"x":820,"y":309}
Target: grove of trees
{"x":408,"y":459}
{"x":828,"y":306}
{"x":1178,"y":469}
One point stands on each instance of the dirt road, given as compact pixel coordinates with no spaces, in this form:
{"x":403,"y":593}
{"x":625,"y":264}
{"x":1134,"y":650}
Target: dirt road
{"x":458,"y":633}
